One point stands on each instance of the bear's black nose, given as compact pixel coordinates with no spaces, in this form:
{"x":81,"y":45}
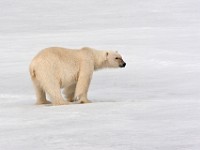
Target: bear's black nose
{"x":123,"y":65}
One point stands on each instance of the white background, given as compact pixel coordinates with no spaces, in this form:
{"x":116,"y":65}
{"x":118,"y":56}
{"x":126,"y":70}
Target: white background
{"x":152,"y":104}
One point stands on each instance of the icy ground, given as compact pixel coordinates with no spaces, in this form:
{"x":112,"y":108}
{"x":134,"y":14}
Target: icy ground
{"x":152,"y":104}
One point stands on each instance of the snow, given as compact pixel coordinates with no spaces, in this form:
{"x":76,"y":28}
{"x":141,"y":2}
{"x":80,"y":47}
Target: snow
{"x":151,"y":104}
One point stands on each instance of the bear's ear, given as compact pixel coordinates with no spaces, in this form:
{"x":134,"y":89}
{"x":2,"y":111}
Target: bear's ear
{"x":106,"y":56}
{"x":116,"y":51}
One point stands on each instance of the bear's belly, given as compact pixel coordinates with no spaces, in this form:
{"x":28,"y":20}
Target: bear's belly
{"x":68,"y":80}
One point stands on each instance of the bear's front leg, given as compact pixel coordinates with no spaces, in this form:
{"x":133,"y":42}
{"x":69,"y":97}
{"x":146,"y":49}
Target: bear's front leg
{"x":82,"y":100}
{"x":82,"y":87}
{"x":69,"y":92}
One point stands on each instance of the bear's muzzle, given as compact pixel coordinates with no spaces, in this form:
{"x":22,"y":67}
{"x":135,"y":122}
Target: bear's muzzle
{"x":123,"y":65}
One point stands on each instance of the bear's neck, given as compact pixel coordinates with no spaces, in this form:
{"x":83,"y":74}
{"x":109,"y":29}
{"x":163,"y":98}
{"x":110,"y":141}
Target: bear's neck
{"x":99,"y":60}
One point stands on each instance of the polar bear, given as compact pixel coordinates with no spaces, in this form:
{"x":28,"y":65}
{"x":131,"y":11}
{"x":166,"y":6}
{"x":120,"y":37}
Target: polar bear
{"x":55,"y":68}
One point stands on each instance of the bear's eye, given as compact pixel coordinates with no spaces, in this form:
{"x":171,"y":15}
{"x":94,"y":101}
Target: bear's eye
{"x":116,"y":58}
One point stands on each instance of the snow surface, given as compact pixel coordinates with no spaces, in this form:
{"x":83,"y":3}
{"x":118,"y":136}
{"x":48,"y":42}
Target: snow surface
{"x":152,"y":104}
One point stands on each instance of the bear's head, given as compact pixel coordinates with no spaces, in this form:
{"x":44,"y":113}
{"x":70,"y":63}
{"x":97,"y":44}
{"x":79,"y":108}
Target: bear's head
{"x":114,"y":60}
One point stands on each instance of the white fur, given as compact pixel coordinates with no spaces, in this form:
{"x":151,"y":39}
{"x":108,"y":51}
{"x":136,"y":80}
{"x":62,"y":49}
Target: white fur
{"x":55,"y":68}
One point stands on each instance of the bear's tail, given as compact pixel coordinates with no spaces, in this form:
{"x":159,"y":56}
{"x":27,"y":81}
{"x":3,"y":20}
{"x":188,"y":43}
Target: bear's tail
{"x":32,"y":71}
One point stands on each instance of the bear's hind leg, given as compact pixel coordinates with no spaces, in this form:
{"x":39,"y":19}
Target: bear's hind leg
{"x":40,"y":94}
